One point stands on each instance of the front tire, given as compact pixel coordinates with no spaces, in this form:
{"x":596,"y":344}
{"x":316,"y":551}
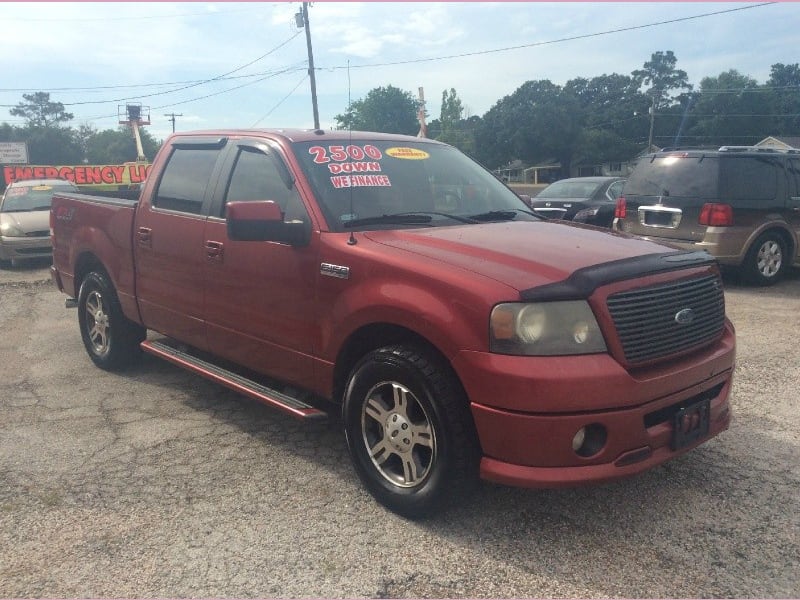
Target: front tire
{"x":765,"y":262}
{"x":111,"y":339}
{"x":409,"y":430}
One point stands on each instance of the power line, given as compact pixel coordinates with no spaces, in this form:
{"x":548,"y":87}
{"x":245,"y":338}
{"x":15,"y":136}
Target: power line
{"x":186,"y":87}
{"x":249,"y":83}
{"x":227,"y":76}
{"x":634,"y":27}
{"x":281,"y":101}
{"x":557,"y":41}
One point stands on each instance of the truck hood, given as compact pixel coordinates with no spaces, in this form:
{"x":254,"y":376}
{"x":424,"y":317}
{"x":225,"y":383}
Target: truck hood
{"x":522,"y":254}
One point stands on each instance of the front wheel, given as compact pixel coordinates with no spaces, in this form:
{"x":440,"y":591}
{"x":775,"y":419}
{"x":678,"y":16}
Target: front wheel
{"x":409,"y":430}
{"x":766,"y":260}
{"x":110,"y":338}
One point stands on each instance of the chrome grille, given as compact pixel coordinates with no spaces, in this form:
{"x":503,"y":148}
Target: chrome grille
{"x":647,"y":323}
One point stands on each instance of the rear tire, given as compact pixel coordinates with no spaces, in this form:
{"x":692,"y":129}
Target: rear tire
{"x":409,"y":430}
{"x":765,"y":262}
{"x":111,"y":339}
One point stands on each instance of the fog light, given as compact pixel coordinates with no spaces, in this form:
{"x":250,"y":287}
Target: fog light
{"x":577,"y":441}
{"x":590,"y":440}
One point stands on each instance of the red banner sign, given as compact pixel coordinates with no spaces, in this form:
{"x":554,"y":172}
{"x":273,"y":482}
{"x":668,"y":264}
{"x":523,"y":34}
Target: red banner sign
{"x":89,"y":175}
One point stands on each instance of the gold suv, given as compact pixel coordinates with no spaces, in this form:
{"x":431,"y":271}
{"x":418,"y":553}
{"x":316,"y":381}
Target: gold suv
{"x":741,"y":204}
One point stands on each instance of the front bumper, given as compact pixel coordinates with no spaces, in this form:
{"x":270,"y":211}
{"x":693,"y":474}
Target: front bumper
{"x":21,"y":248}
{"x":527,"y":411}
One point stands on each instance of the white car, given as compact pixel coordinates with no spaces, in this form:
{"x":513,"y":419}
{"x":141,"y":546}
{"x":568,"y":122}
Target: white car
{"x":25,"y":218}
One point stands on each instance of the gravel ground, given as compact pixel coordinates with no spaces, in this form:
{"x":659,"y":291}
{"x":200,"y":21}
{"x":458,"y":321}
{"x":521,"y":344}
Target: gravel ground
{"x":156,"y":483}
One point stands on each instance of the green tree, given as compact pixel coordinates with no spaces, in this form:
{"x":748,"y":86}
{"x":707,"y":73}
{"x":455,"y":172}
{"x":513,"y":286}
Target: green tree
{"x":384,"y":109}
{"x":662,"y":77}
{"x":39,"y":111}
{"x":52,"y":145}
{"x":112,"y":146}
{"x":784,"y":81}
{"x":612,"y":111}
{"x":451,"y":127}
{"x":729,"y":108}
{"x":539,"y":121}
{"x":83,"y":134}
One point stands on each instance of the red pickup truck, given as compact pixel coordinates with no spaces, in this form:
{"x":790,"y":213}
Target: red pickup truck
{"x":393,"y":280}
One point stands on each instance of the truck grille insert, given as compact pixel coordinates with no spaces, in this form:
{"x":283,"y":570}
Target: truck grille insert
{"x":663,"y":320}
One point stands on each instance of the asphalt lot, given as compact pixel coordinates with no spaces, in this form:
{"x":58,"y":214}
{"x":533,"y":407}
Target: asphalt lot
{"x":156,"y":483}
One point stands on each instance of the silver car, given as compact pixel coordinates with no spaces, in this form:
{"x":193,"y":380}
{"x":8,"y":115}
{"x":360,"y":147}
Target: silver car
{"x":25,"y":218}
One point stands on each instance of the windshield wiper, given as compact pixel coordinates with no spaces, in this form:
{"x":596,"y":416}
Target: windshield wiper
{"x":396,"y":219}
{"x":459,"y":218}
{"x":496,"y":215}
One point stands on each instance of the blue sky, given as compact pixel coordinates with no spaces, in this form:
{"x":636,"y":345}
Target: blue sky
{"x":230,"y":64}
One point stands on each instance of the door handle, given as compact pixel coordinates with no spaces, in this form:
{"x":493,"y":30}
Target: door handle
{"x":214,"y":250}
{"x":145,"y":237}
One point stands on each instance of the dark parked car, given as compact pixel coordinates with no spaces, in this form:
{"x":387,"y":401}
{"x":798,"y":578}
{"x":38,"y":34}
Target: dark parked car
{"x":583,"y":199}
{"x":741,"y":204}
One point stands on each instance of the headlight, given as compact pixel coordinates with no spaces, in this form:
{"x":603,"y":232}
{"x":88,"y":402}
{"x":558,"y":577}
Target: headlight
{"x":8,"y":229}
{"x":545,"y":329}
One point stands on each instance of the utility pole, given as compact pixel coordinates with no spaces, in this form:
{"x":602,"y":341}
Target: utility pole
{"x":654,"y":93}
{"x":304,"y":17}
{"x":172,"y":118}
{"x":423,"y":127}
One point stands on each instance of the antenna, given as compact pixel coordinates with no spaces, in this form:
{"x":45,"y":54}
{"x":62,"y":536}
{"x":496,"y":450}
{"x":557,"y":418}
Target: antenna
{"x":352,"y":240}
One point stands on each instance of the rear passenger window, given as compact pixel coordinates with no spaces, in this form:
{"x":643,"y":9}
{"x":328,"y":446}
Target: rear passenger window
{"x":748,"y":178}
{"x":185,"y":181}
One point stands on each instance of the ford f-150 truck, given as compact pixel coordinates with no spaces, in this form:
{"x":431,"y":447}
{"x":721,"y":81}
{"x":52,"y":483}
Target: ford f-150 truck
{"x":395,"y":281}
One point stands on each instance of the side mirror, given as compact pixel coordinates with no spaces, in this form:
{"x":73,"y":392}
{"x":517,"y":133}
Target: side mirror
{"x":526,"y":199}
{"x":262,"y":221}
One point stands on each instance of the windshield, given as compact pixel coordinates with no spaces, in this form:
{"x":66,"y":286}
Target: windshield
{"x":569,"y":189}
{"x":367,"y":184}
{"x":32,"y":197}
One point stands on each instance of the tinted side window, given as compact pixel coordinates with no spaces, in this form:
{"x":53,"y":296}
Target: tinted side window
{"x":256,"y":176}
{"x":185,"y":180}
{"x":615,"y":189}
{"x":748,"y":178}
{"x":794,"y":172}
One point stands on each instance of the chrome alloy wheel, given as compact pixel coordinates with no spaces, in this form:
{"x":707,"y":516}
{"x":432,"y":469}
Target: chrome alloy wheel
{"x":97,"y":324}
{"x":769,"y":259}
{"x":398,"y":435}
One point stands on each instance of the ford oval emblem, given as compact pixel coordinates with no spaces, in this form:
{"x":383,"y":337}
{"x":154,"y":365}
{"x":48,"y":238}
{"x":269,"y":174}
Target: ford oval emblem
{"x":684,"y":317}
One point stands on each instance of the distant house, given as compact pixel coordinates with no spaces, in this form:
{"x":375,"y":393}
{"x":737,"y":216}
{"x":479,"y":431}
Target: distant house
{"x":512,"y":172}
{"x":546,"y":172}
{"x":780,"y":143}
{"x":606,"y":169}
{"x":550,"y":171}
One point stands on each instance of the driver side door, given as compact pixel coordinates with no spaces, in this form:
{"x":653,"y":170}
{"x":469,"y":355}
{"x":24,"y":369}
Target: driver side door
{"x":260,"y":296}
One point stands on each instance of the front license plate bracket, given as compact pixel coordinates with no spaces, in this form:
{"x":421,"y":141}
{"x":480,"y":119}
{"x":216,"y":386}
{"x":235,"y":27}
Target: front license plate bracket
{"x":691,"y":423}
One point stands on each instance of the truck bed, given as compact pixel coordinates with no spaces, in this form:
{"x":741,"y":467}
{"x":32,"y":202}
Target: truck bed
{"x":90,"y":229}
